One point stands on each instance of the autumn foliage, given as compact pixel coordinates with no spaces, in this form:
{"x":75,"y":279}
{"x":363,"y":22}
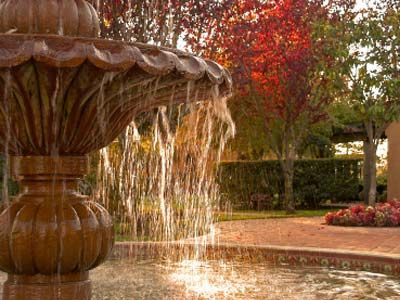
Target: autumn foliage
{"x":278,"y":59}
{"x":270,"y":47}
{"x":159,"y":22}
{"x":284,"y":60}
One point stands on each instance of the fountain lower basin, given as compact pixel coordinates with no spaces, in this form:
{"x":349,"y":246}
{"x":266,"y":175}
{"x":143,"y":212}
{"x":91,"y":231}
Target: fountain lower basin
{"x":234,"y":279}
{"x":203,"y":270}
{"x":219,"y":279}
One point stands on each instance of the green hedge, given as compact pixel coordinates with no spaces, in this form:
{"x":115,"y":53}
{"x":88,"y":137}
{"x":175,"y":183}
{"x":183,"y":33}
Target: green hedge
{"x":314,"y":181}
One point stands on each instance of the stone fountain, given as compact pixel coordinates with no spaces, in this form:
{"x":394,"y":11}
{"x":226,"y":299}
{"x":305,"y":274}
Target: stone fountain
{"x":63,"y":94}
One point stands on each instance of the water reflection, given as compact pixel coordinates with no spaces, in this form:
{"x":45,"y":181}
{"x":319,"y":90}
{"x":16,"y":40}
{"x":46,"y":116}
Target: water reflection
{"x":189,"y":279}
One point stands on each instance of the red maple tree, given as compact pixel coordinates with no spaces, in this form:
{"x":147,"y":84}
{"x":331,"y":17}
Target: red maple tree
{"x":275,"y":51}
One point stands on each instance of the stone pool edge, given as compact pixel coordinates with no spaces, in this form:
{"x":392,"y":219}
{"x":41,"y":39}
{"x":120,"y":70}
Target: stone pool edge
{"x":278,"y":255}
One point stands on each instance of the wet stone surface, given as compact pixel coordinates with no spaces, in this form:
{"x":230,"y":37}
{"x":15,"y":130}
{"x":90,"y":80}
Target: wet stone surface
{"x":190,"y":279}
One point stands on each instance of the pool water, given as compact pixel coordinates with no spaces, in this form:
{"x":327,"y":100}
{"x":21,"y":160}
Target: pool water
{"x":191,"y":279}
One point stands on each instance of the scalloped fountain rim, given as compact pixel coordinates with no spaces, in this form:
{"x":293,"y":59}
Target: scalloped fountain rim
{"x":274,"y":254}
{"x":109,"y":55}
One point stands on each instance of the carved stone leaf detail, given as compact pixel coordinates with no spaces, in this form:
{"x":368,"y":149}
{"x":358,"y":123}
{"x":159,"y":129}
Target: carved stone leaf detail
{"x":73,"y":95}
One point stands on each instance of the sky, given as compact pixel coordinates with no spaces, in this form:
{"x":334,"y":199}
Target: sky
{"x":362,"y":3}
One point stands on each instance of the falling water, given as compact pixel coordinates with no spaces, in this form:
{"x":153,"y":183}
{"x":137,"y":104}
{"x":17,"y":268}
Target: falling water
{"x":158,"y":179}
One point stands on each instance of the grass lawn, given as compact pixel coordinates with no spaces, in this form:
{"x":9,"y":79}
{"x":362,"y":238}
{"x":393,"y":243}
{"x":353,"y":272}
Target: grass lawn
{"x":241,"y":215}
{"x":268,"y":214}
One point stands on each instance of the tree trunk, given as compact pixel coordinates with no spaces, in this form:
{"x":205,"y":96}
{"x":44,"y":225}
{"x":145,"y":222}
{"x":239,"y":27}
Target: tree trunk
{"x":371,"y":153}
{"x":366,"y":172}
{"x":289,"y":195}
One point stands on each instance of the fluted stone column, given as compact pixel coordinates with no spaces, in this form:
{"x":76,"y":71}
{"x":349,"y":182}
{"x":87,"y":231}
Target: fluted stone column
{"x":51,"y":236}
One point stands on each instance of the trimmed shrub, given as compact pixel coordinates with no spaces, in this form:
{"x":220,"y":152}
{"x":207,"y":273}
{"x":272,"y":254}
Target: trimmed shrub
{"x":315,"y":180}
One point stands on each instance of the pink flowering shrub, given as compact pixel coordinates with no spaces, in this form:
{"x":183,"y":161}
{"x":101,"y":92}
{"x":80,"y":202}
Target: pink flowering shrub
{"x":383,"y":214}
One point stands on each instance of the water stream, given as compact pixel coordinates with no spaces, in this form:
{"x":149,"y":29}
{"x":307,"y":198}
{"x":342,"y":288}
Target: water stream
{"x":158,"y":179}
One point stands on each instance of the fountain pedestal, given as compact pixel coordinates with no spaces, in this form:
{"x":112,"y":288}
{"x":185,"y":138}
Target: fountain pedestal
{"x":64,"y":287}
{"x":63,"y":91}
{"x":51,"y":236}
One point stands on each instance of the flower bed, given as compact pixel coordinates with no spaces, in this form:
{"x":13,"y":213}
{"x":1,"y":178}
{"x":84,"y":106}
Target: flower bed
{"x":381,"y":215}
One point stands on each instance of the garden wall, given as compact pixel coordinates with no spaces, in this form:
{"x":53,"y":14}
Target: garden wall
{"x":314,"y":180}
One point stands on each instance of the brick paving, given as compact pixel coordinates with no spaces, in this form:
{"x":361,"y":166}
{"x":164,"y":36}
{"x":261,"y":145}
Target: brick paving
{"x":309,"y":232}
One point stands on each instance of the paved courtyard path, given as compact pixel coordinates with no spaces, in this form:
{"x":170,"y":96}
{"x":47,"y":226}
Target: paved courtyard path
{"x":309,"y":232}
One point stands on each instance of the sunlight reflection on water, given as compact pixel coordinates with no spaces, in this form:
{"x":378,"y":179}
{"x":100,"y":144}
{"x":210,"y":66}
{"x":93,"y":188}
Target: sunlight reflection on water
{"x":214,"y":279}
{"x":192,"y":279}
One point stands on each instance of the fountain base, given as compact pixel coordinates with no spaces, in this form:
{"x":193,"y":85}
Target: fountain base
{"x":63,"y":287}
{"x":50,"y":235}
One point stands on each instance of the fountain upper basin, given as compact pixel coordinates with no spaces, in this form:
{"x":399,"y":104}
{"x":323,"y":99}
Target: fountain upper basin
{"x":70,"y":96}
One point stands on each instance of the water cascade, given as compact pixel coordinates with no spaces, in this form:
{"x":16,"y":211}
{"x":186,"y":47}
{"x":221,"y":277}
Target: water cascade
{"x":66,"y":93}
{"x":160,"y":185}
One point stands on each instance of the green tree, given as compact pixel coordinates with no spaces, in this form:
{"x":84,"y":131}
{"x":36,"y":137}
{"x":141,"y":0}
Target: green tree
{"x":370,"y":72}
